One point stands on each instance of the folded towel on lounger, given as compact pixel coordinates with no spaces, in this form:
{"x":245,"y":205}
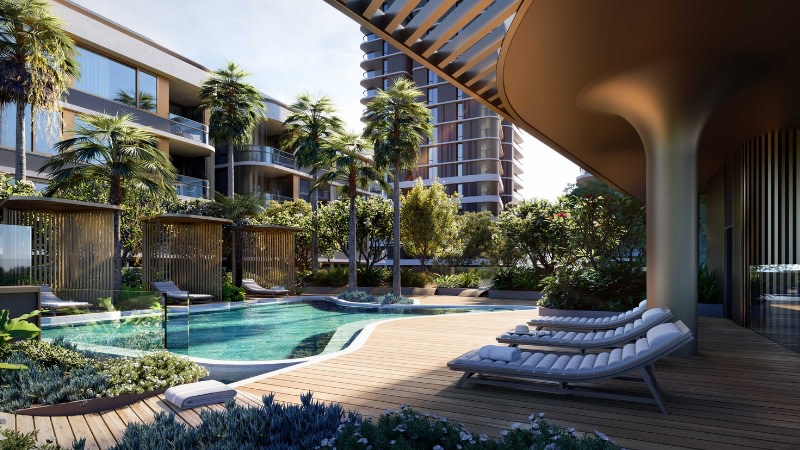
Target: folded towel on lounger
{"x":521,"y":329}
{"x":197,"y":394}
{"x":500,"y":353}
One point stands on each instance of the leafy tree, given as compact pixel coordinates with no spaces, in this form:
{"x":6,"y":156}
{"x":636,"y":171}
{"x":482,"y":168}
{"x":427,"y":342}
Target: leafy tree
{"x":604,"y":226}
{"x":472,"y":240}
{"x":236,"y":109}
{"x":111,"y":148}
{"x":354,"y":170}
{"x":296,"y":213}
{"x":536,"y":228}
{"x":397,"y":123}
{"x":37,"y":64}
{"x":427,"y":220}
{"x":307,"y":133}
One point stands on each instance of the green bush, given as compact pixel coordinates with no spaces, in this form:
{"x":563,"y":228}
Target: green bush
{"x":56,"y":354}
{"x":356,"y":296}
{"x":412,"y":278}
{"x":331,"y":276}
{"x":230,"y":292}
{"x":373,"y":276}
{"x":132,"y":278}
{"x":391,"y":299}
{"x":707,"y":287}
{"x":468,"y":280}
{"x":14,"y":440}
{"x":149,"y":372}
{"x":617,"y":287}
{"x":517,"y":278}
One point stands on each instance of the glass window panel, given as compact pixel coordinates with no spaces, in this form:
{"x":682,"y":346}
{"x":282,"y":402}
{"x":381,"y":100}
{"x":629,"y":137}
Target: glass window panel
{"x":8,"y":127}
{"x":148,"y":91}
{"x":47,"y":132}
{"x":106,"y":78}
{"x":433,"y":95}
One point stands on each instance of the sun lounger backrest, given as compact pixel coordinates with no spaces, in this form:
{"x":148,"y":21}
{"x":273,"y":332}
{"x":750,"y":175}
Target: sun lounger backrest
{"x":165,"y":286}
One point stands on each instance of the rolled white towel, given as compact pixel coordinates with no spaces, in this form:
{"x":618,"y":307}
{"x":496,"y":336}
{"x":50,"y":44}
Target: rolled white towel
{"x":521,"y":329}
{"x":500,"y":353}
{"x":200,"y":393}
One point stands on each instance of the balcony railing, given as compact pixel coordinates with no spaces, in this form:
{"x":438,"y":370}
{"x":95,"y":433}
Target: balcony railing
{"x":181,"y":126}
{"x":191,"y":187}
{"x":266,"y":155}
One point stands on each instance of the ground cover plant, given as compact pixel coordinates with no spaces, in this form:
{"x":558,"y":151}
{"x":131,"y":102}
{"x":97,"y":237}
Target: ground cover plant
{"x":468,"y":280}
{"x":386,"y":299}
{"x":314,"y":425}
{"x":57,"y":372}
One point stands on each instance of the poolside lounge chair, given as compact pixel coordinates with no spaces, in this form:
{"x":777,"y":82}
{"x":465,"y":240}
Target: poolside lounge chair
{"x":256,"y":289}
{"x":592,"y":339}
{"x":174,"y":293}
{"x":556,"y":373}
{"x":49,"y":300}
{"x":589,"y":323}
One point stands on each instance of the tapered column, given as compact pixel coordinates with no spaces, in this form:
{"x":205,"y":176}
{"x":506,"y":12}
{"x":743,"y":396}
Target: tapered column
{"x":672,"y":226}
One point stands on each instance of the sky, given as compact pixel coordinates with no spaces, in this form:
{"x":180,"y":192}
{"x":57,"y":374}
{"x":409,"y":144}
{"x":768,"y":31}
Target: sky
{"x":291,"y":47}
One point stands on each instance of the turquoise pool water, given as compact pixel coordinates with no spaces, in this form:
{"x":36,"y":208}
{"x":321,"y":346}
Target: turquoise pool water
{"x":249,"y":333}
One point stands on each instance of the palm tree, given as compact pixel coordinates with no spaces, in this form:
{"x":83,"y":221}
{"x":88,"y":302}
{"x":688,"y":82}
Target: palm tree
{"x":238,"y":209}
{"x":37,"y":64}
{"x":112,"y":149}
{"x":349,"y":164}
{"x":306,"y":133}
{"x":397,"y":123}
{"x":236,"y":109}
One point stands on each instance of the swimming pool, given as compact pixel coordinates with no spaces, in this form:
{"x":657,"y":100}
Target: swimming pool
{"x":251,"y":332}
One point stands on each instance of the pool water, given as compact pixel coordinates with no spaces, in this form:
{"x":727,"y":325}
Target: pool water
{"x":249,"y":333}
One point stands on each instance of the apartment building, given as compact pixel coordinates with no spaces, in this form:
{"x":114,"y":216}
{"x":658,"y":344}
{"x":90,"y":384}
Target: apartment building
{"x":123,"y":72}
{"x":474,"y":151}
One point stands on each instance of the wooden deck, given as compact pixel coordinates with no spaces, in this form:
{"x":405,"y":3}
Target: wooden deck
{"x":739,"y":392}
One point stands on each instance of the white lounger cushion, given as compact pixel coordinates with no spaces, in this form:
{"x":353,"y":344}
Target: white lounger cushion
{"x":586,"y":322}
{"x":197,"y":394}
{"x":554,"y":363}
{"x":584,"y":339}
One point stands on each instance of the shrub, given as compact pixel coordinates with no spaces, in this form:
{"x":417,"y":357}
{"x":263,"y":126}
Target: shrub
{"x":707,"y":288}
{"x":617,"y":287}
{"x":150,"y":372}
{"x":517,"y":278}
{"x":357,"y":296}
{"x":313,"y":425}
{"x":329,"y":276}
{"x":469,"y":280}
{"x":391,"y":299}
{"x":411,"y":278}
{"x":132,"y":278}
{"x":230,"y":292}
{"x":47,"y":385}
{"x":56,"y":354}
{"x":373,"y":276}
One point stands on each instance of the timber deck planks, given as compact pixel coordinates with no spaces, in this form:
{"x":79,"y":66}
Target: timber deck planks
{"x":738,"y":392}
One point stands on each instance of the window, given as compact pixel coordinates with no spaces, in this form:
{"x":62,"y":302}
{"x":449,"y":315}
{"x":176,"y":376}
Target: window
{"x":460,"y":111}
{"x":460,"y":152}
{"x":433,"y":96}
{"x":434,"y":115}
{"x":433,"y":155}
{"x":112,"y":80}
{"x":42,"y":134}
{"x":432,"y":77}
{"x":460,"y":131}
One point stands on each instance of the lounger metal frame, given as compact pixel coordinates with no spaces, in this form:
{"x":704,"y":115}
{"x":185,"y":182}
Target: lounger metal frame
{"x":563,"y":383}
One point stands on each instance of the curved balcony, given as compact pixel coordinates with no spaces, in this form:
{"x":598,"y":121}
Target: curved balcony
{"x":191,"y":187}
{"x":264,"y":154}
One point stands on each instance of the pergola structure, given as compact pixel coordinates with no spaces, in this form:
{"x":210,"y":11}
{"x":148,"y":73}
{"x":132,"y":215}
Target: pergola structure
{"x":72,"y":242}
{"x":184,"y":249}
{"x":268,"y":254}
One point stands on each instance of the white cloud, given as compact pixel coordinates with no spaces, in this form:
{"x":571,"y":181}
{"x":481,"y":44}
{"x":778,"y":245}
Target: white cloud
{"x":290,"y":47}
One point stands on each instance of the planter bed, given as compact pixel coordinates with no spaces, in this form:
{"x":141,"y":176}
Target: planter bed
{"x":87,"y":406}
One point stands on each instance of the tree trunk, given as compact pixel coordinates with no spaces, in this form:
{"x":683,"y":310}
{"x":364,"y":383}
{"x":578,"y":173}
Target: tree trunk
{"x":396,"y":233}
{"x":238,"y":249}
{"x":230,"y":168}
{"x":314,"y":200}
{"x":351,"y":245}
{"x":115,"y":197}
{"x":21,"y":163}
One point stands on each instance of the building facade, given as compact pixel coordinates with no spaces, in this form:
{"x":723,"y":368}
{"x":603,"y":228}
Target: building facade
{"x":474,"y":153}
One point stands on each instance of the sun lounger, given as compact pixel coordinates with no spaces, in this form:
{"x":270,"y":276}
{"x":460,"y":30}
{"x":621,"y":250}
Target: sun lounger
{"x":589,"y":323}
{"x":588,"y":339}
{"x":256,"y":289}
{"x":49,"y":300}
{"x":558,"y":373}
{"x":173,"y":292}
{"x":200,"y":393}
